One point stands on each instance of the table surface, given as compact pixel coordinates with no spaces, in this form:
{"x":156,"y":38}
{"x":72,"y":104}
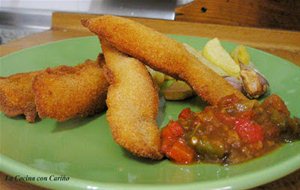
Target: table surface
{"x":285,"y":44}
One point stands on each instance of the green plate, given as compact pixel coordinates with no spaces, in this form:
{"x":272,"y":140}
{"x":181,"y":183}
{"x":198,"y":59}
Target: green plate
{"x":83,"y":149}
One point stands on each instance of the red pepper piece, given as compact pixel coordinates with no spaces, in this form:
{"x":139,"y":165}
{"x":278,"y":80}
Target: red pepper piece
{"x":185,"y":114}
{"x":249,"y":131}
{"x":247,"y":114}
{"x":166,"y":144}
{"x":173,"y":129}
{"x":225,"y":118}
{"x":181,"y":153}
{"x":171,"y":133}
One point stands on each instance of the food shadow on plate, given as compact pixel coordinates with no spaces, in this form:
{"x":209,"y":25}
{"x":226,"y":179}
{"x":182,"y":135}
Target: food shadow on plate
{"x":75,"y":123}
{"x":18,"y":117}
{"x":130,"y":156}
{"x":161,"y":110}
{"x":21,"y":117}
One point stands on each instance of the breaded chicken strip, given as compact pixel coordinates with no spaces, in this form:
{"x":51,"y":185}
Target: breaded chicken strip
{"x":161,"y":53}
{"x":16,"y":96}
{"x":132,"y":102}
{"x":67,"y":92}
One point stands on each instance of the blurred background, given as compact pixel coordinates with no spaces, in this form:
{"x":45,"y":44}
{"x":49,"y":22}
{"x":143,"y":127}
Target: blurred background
{"x":19,"y":18}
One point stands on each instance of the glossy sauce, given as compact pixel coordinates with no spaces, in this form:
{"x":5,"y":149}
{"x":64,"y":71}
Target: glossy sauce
{"x":231,"y":132}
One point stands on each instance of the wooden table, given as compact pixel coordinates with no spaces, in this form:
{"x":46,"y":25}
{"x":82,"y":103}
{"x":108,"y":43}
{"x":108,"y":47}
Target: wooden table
{"x":285,"y":44}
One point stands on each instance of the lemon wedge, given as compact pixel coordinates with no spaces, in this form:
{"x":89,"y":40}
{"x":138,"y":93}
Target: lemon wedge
{"x":204,"y":61}
{"x":240,"y":55}
{"x":216,"y":54}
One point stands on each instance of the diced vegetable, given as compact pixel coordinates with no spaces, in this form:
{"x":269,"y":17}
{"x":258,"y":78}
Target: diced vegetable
{"x":249,"y":131}
{"x":170,"y":134}
{"x":172,"y":145}
{"x":181,"y":153}
{"x":232,"y":131}
{"x":185,"y":114}
{"x":209,"y":148}
{"x":225,"y":118}
{"x":172,"y":130}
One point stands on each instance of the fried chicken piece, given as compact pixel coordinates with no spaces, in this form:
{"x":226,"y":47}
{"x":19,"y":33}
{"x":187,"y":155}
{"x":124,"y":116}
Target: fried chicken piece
{"x":161,"y":53}
{"x":66,"y":92}
{"x":132,"y":102}
{"x":16,"y":96}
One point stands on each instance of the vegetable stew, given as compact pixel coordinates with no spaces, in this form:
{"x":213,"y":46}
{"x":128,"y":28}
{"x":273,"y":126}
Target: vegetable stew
{"x":230,"y":132}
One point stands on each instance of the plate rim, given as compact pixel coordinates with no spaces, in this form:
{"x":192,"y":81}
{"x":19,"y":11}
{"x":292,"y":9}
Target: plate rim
{"x":13,"y":167}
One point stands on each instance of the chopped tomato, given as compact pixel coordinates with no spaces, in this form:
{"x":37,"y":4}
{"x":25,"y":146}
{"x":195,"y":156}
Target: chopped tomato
{"x":166,"y":144}
{"x":173,"y":147}
{"x":246,"y":114}
{"x":173,"y":129}
{"x":275,"y":102}
{"x":172,"y":132}
{"x":185,"y":114}
{"x":181,"y":153}
{"x":231,"y":120}
{"x":249,"y":131}
{"x":225,"y":118}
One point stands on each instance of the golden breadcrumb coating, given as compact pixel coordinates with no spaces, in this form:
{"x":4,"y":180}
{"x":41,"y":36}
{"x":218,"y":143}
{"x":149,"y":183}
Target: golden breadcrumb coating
{"x":161,"y":53}
{"x":132,"y":102}
{"x":67,"y":92}
{"x":16,"y":96}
